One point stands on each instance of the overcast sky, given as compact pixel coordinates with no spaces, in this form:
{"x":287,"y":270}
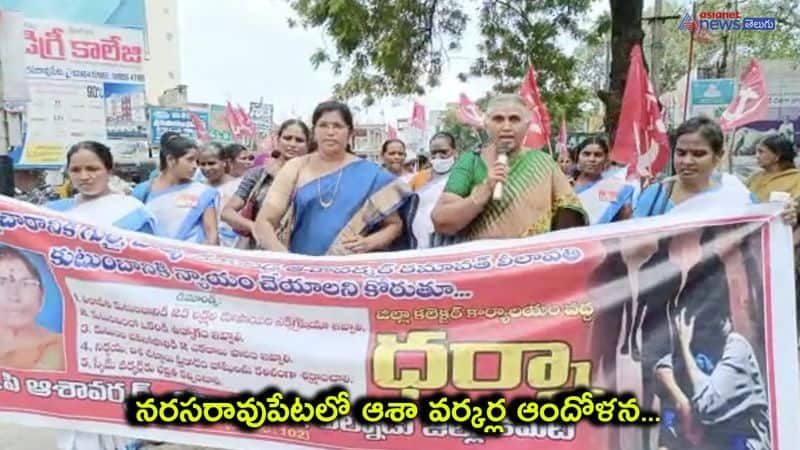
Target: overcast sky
{"x":241,"y":50}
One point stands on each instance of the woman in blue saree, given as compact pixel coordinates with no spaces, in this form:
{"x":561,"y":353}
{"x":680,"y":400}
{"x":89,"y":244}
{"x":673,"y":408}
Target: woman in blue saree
{"x":604,"y":193}
{"x":89,"y":167}
{"x":184,"y":209}
{"x":331,"y":202}
{"x":695,"y":188}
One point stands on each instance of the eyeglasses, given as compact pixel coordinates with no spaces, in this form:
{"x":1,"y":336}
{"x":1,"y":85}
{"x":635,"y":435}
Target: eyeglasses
{"x":22,"y":283}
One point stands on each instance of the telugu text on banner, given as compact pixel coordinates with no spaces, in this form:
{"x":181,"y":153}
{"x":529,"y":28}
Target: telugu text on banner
{"x":688,"y":313}
{"x":86,"y":83}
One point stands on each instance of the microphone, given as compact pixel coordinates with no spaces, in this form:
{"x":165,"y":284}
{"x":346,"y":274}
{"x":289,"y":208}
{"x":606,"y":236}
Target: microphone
{"x":502,"y":156}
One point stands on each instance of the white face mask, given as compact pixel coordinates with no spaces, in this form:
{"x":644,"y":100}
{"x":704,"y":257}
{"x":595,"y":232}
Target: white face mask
{"x":441,"y":166}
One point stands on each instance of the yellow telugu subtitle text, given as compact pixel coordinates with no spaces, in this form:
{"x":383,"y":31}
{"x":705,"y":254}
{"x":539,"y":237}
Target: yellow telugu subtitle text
{"x":486,"y":415}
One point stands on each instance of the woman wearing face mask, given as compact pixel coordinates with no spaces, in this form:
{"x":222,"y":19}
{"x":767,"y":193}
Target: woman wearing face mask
{"x":89,"y":167}
{"x":604,"y":194}
{"x":429,"y":185}
{"x":393,"y":153}
{"x":698,"y":150}
{"x":214,"y":167}
{"x":184,"y":209}
{"x":242,"y":208}
{"x":331,"y":202}
{"x":240,"y":159}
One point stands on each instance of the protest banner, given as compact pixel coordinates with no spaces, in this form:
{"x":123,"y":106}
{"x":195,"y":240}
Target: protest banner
{"x":218,"y":128}
{"x":261,"y":113}
{"x":86,"y":83}
{"x":177,"y":120}
{"x":118,"y":314}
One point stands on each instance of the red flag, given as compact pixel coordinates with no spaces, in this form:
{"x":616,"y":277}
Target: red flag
{"x":751,"y":102}
{"x":539,"y":130}
{"x":246,"y":124}
{"x":418,"y":117}
{"x":232,"y":120}
{"x":200,"y":127}
{"x":391,"y":132}
{"x":468,"y":113}
{"x":641,"y":141}
{"x":561,"y":144}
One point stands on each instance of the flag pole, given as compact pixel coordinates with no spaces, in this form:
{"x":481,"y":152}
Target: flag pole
{"x":689,"y":65}
{"x":730,"y":150}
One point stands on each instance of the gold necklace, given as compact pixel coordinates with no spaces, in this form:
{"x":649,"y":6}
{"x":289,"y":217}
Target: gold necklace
{"x":326,"y":204}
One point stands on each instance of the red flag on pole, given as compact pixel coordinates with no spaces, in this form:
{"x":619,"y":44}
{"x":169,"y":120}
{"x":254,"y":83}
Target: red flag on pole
{"x":751,"y":102}
{"x":391,"y":132}
{"x":418,"y":116}
{"x":561,"y":143}
{"x":641,"y":141}
{"x":539,"y":130}
{"x":232,"y":120}
{"x":246,"y":124}
{"x":468,"y":113}
{"x":200,"y":127}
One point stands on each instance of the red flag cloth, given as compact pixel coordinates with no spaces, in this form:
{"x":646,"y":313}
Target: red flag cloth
{"x":468,"y":113}
{"x":200,"y":127}
{"x":245,"y":122}
{"x":418,"y":116}
{"x":641,"y":140}
{"x":232,"y":120}
{"x":561,"y":144}
{"x":539,"y":130}
{"x":391,"y":132}
{"x":751,"y":102}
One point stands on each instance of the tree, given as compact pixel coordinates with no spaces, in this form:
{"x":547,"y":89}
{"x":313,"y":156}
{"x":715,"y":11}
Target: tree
{"x":517,"y":34}
{"x":398,"y":47}
{"x":386,"y":47}
{"x":466,"y":138}
{"x":715,"y":59}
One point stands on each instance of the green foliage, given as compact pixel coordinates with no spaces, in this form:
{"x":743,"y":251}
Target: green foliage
{"x":385,"y":47}
{"x":517,"y":34}
{"x":398,"y":47}
{"x":466,"y":137}
{"x":717,"y":57}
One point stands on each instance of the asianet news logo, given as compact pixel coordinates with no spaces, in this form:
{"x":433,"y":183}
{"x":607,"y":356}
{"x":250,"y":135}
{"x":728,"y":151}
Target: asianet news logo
{"x":725,"y":20}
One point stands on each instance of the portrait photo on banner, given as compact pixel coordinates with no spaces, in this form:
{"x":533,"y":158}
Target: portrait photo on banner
{"x":681,"y":324}
{"x":31,"y":313}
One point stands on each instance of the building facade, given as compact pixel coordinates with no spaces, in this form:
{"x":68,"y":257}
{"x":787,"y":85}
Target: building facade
{"x":162,"y":63}
{"x":368,"y":140}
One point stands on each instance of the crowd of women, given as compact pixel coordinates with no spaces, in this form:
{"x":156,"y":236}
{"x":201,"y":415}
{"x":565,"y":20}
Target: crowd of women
{"x":315,"y":196}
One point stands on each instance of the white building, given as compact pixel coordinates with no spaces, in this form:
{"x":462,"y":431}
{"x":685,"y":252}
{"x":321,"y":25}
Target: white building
{"x":369,"y":139}
{"x":162,"y":65}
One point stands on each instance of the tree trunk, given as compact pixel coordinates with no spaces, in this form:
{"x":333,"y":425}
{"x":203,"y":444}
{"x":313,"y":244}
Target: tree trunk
{"x":626,"y":31}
